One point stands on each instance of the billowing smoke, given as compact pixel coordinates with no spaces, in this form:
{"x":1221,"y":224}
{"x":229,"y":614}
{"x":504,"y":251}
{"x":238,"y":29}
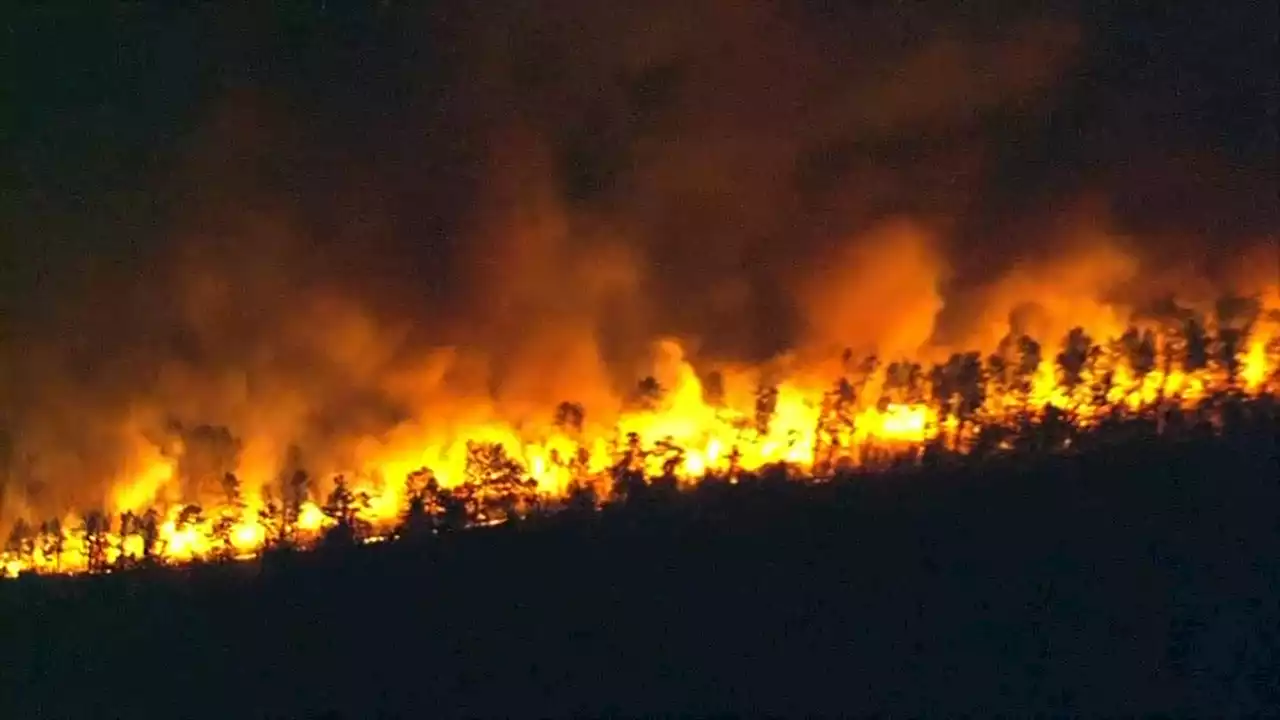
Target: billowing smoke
{"x":371,"y":228}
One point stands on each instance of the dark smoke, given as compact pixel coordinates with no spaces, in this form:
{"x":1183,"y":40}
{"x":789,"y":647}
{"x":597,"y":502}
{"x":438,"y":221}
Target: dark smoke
{"x":313,"y":224}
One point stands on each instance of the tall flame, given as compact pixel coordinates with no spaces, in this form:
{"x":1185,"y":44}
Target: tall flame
{"x":679,"y":426}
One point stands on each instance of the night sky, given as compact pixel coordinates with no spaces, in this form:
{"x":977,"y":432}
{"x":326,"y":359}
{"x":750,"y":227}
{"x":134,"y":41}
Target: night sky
{"x":124,"y":122}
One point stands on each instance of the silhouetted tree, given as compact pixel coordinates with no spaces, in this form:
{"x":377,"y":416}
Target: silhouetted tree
{"x":231,"y":492}
{"x":570,"y":417}
{"x":128,"y":524}
{"x":1102,"y":378}
{"x":735,"y":464}
{"x":422,"y":507}
{"x":340,"y":505}
{"x":904,"y":383}
{"x":504,"y":490}
{"x":296,"y":491}
{"x":275,"y":530}
{"x":1235,"y":320}
{"x":129,"y":528}
{"x":343,"y":507}
{"x":958,"y":386}
{"x":222,"y":531}
{"x":229,"y":515}
{"x":1196,"y":350}
{"x":1024,"y":378}
{"x":895,"y":382}
{"x":581,"y":499}
{"x":149,"y":529}
{"x":836,"y":421}
{"x":649,"y":393}
{"x":1140,"y":351}
{"x":1011,"y":370}
{"x":667,"y":484}
{"x":628,"y":471}
{"x":1073,"y":359}
{"x":22,"y":541}
{"x":1000,"y":369}
{"x":189,"y":516}
{"x":459,"y":507}
{"x":96,"y":528}
{"x":416,"y":521}
{"x":1272,"y":353}
{"x":52,"y":542}
{"x":942,"y":389}
{"x":580,"y":464}
{"x":766,"y":406}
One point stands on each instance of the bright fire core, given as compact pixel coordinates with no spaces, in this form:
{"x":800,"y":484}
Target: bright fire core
{"x":681,"y":426}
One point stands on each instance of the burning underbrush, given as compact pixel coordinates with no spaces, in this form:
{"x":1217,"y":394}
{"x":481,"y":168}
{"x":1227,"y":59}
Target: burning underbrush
{"x":1180,"y":372}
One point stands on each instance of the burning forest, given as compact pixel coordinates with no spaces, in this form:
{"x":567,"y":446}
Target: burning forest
{"x":1178,"y":374}
{"x":348,"y":274}
{"x":666,"y":358}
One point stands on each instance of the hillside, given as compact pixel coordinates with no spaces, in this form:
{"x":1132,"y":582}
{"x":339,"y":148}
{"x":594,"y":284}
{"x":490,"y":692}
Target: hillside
{"x":1135,"y":578}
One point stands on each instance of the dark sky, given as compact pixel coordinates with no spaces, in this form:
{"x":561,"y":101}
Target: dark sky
{"x":194,"y":192}
{"x":379,"y":114}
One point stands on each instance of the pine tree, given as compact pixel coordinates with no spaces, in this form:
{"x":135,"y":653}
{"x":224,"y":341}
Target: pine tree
{"x":766,"y":406}
{"x":149,"y":529}
{"x":570,"y":417}
{"x":22,"y":541}
{"x":96,"y":528}
{"x":344,"y":507}
{"x":53,"y":542}
{"x":628,"y":471}
{"x":1072,"y":361}
{"x":421,"y":510}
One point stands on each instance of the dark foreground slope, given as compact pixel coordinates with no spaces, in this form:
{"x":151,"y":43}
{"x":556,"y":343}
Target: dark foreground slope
{"x":1141,"y":578}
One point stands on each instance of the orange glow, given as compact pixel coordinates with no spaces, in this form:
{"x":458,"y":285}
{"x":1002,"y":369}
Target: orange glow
{"x":808,"y":421}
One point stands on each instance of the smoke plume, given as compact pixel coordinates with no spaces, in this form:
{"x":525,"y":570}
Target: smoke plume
{"x":363,"y":231}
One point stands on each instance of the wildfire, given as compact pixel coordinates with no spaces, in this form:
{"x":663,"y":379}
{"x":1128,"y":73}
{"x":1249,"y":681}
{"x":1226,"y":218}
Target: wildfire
{"x":678,"y":428}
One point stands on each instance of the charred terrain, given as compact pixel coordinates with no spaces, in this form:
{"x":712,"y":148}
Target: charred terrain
{"x":1136,"y":576}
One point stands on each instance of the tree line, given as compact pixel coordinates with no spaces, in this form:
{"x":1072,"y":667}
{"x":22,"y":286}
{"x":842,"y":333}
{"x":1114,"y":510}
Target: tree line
{"x":979,"y":407}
